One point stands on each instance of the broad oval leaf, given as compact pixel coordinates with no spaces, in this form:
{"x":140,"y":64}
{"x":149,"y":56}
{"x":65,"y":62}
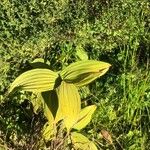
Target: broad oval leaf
{"x":83,"y":72}
{"x":84,"y":117}
{"x":50,"y":104}
{"x":81,"y":142}
{"x":69,"y":104}
{"x":36,"y":80}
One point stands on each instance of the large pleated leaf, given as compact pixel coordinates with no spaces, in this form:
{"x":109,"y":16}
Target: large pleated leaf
{"x":36,"y":80}
{"x":83,"y":72}
{"x":81,"y":142}
{"x":50,"y":104}
{"x":59,"y":115}
{"x":84,"y":117}
{"x":69,"y":103}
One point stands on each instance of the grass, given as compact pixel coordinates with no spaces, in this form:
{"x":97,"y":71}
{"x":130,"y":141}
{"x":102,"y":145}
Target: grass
{"x":124,"y":103}
{"x":113,"y":31}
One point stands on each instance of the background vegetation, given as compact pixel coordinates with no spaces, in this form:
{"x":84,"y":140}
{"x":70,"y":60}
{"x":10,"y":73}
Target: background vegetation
{"x":61,"y":32}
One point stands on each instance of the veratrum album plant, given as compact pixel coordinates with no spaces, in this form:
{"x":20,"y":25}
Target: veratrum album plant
{"x":57,"y":93}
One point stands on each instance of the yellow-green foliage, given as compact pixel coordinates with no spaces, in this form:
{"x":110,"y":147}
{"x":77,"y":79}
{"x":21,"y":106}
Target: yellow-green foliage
{"x":36,"y":80}
{"x":69,"y":103}
{"x":84,"y":117}
{"x":63,"y":102}
{"x":81,"y":142}
{"x":83,"y":72}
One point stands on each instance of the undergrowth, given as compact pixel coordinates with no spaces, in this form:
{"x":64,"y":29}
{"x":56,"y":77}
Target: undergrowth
{"x":113,"y":31}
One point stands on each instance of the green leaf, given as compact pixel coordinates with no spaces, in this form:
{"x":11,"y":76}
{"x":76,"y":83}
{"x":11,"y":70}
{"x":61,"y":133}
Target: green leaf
{"x":50,"y":104}
{"x":80,"y":52}
{"x":80,"y":142}
{"x":39,"y":63}
{"x":84,"y":72}
{"x":36,"y":80}
{"x":36,"y":101}
{"x":85,"y":117}
{"x":69,"y":103}
{"x":38,"y":60}
{"x":48,"y":131}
